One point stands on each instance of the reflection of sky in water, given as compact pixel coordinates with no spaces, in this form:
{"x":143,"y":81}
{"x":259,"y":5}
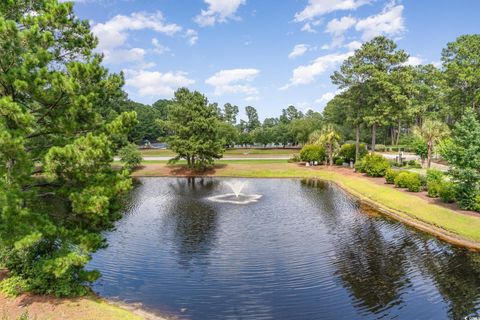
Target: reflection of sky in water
{"x":303,"y":250}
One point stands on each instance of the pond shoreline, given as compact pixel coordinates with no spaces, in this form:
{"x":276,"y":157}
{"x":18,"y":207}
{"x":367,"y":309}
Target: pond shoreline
{"x":334,"y":175}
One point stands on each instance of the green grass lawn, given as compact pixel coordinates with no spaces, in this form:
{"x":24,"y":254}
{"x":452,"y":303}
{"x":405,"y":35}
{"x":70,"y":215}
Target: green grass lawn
{"x":233,"y":152}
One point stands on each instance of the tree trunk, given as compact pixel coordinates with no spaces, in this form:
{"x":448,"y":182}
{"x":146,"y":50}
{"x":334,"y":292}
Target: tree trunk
{"x":374,"y":136}
{"x":429,"y":153}
{"x":398,"y":133}
{"x":357,"y":142}
{"x":330,"y":154}
{"x":189,"y":162}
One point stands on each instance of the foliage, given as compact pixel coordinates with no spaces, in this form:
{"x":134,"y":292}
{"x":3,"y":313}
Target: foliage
{"x":59,"y":130}
{"x":462,"y":153}
{"x":461,"y":61}
{"x":434,"y":187}
{"x":374,"y":165}
{"x":380,"y":147}
{"x":339,"y":161}
{"x":312,"y":152}
{"x":390,"y":175}
{"x":447,"y":192}
{"x":431,"y":132}
{"x":130,"y":156}
{"x":193,"y":124}
{"x":409,"y":180}
{"x":435,"y":175}
{"x":347,"y":151}
{"x":329,"y":139}
{"x":295,"y":158}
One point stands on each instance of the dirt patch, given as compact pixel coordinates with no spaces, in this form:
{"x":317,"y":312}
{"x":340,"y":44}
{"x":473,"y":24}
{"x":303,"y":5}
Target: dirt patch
{"x":83,"y":308}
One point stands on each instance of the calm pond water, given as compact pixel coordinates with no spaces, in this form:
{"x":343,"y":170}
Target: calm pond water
{"x":305,"y":250}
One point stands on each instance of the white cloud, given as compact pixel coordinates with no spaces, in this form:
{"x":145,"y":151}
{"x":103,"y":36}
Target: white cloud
{"x":218,"y":11}
{"x":113,"y":34}
{"x":118,"y":56}
{"x":338,"y":27}
{"x":234,"y":81}
{"x":191,"y":36}
{"x":158,"y":47}
{"x":326,"y":97}
{"x":317,"y":8}
{"x":414,"y":61}
{"x":298,"y":50}
{"x":154,"y":83}
{"x":308,"y":28}
{"x":307,"y":73}
{"x":337,"y":41}
{"x":389,"y":22}
{"x":354,"y":45}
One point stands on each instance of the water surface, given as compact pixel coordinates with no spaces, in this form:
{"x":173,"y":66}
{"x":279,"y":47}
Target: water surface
{"x":305,"y":250}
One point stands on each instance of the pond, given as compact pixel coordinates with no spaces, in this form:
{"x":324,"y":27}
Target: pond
{"x":300,"y":249}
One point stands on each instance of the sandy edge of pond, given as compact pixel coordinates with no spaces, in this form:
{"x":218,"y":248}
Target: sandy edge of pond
{"x":162,"y":170}
{"x":89,"y":307}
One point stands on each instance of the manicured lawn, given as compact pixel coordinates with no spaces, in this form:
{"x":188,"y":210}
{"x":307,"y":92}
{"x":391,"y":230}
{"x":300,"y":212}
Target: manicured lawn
{"x":232,"y":152}
{"x":400,"y":202}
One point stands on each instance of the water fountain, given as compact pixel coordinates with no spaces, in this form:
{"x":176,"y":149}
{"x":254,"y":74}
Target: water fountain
{"x":236,"y":197}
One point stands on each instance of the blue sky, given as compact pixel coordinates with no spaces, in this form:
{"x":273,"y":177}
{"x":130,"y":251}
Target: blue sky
{"x":264,"y":53}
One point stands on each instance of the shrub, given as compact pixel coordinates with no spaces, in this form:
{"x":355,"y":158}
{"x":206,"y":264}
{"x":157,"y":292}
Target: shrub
{"x":339,"y":161}
{"x":375,"y":165}
{"x":390,"y":175}
{"x":380,"y":147}
{"x":414,"y":164}
{"x":360,"y":166}
{"x":130,"y":156}
{"x":312,"y":152}
{"x":295,"y":158}
{"x":433,"y":188}
{"x":347,"y":151}
{"x":434,"y":175}
{"x":447,"y":192}
{"x":477,"y":203}
{"x":408,"y":180}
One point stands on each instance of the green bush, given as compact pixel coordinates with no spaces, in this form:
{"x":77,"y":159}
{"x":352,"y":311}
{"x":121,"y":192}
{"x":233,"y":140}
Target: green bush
{"x":347,"y":151}
{"x":477,"y":203}
{"x":380,"y":147}
{"x":375,"y":165}
{"x":339,"y":161}
{"x":312,"y":152}
{"x":295,"y":158}
{"x":434,"y":175}
{"x":360,"y":166}
{"x":390,"y":175}
{"x":414,"y":164}
{"x":130,"y":156}
{"x":433,"y":188}
{"x":447,"y":192}
{"x":409,"y":180}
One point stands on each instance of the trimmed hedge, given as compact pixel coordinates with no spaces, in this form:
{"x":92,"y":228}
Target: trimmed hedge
{"x":313,"y":152}
{"x":390,"y":175}
{"x":374,"y":165}
{"x":347,"y":151}
{"x":409,"y":180}
{"x":447,"y":192}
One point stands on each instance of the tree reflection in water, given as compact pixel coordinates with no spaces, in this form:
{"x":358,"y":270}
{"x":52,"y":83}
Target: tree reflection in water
{"x":194,"y":222}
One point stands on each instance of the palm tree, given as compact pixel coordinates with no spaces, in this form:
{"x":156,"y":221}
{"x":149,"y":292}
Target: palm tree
{"x":329,"y":138}
{"x":432,"y":131}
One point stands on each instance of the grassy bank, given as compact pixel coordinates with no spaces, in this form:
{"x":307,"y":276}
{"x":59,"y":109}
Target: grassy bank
{"x":452,"y":225}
